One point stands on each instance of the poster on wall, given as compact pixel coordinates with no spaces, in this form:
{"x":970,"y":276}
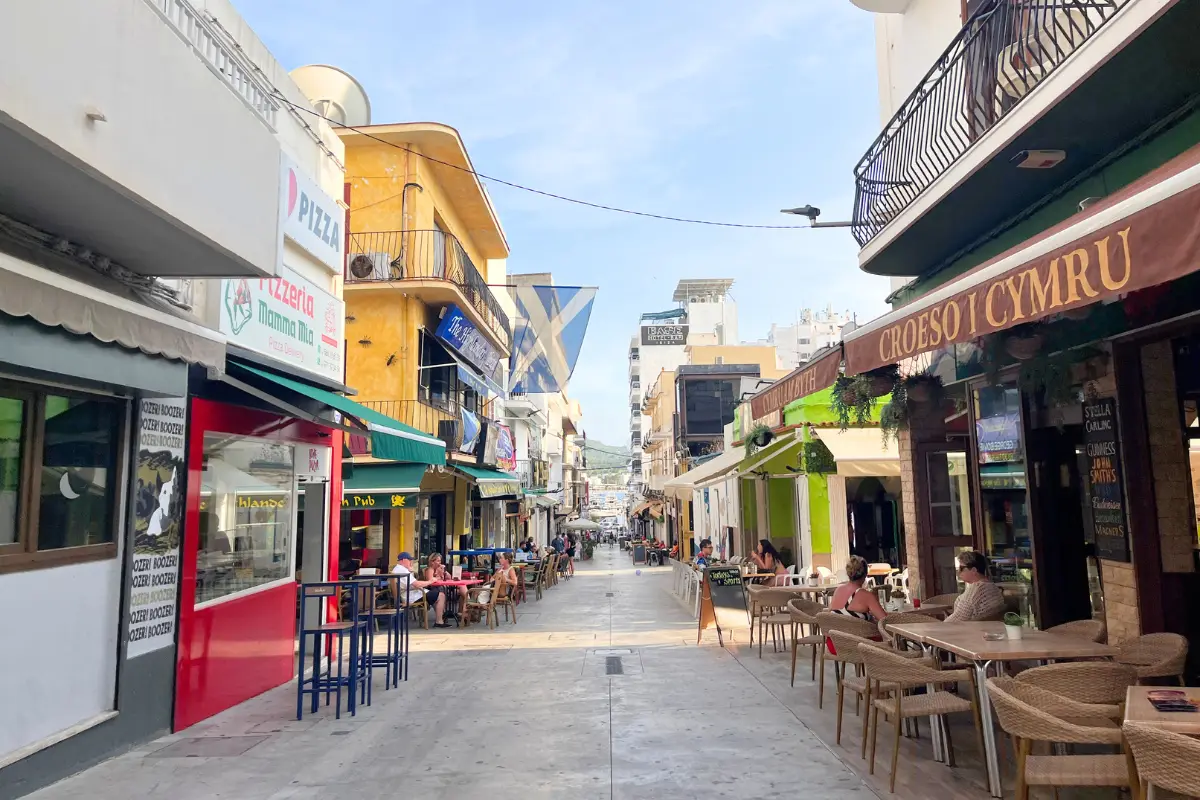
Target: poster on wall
{"x":1103,"y":452}
{"x":288,"y":318}
{"x":999,"y":438}
{"x":506,"y":451}
{"x":158,"y":525}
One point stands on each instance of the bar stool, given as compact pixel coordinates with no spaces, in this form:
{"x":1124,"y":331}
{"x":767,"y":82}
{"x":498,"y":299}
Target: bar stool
{"x":347,"y":632}
{"x":394,"y":658}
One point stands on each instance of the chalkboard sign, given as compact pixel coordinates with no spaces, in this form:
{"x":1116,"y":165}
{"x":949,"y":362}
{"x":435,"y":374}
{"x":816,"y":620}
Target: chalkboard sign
{"x":722,"y":602}
{"x":1103,"y":451}
{"x":639,"y":554}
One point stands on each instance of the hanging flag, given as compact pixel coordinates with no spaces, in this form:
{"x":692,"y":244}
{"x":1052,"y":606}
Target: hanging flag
{"x":547,"y":336}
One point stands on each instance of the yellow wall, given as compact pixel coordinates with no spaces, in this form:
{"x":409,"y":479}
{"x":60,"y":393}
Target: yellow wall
{"x":762,"y":355}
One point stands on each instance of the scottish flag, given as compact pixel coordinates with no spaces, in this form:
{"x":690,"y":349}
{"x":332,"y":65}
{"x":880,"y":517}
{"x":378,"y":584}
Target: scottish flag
{"x":547,"y":336}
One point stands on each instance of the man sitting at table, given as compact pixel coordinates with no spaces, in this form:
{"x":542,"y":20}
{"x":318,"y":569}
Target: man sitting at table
{"x":436,"y":571}
{"x":982,"y":600}
{"x":417,"y":588}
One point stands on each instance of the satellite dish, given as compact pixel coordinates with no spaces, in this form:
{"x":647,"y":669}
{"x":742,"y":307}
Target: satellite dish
{"x":334,"y":93}
{"x":362,"y":267}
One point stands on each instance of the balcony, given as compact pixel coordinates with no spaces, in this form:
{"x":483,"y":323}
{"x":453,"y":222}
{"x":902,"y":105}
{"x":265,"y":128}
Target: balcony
{"x":534,"y":473}
{"x":431,"y":265}
{"x":1087,"y":77}
{"x":420,"y":414}
{"x":635,"y":440}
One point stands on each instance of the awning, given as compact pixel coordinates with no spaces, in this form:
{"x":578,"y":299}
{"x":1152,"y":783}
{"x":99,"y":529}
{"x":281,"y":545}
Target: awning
{"x":649,"y":504}
{"x":390,"y":440}
{"x":91,"y":304}
{"x":860,"y":452}
{"x":1146,"y":234}
{"x":375,"y":486}
{"x":712,"y":470}
{"x":490,"y":483}
{"x":473,"y":377}
{"x":764,"y":454}
{"x":819,"y":373}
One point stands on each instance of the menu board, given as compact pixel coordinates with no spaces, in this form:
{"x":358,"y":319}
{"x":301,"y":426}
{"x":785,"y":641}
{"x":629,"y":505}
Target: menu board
{"x":1103,"y":452}
{"x":722,"y":602}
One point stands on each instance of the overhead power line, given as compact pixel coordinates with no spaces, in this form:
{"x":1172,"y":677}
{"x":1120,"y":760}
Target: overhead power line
{"x":530,"y":189}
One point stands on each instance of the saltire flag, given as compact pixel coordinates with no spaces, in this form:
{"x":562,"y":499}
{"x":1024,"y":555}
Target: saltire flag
{"x":547,"y":336}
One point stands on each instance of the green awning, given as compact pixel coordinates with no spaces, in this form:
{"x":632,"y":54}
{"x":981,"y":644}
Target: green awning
{"x":391,"y":440}
{"x":381,"y":486}
{"x":491,"y":483}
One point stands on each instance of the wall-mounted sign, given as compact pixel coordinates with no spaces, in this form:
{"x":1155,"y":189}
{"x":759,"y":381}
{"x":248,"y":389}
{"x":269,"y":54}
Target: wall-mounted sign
{"x":506,"y":450}
{"x":497,"y":488}
{"x":312,"y":463}
{"x":374,"y":537}
{"x":311,"y":218}
{"x":807,"y":379}
{"x":664,"y":335}
{"x":1102,"y":448}
{"x":461,"y":334}
{"x":376,"y":500}
{"x":287,"y":318}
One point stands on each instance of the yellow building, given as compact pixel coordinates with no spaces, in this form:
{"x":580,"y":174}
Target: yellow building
{"x":761,"y":356}
{"x":660,"y":438}
{"x":427,"y":336}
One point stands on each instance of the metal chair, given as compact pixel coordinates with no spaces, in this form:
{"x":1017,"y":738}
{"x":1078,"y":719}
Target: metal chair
{"x":349,"y":633}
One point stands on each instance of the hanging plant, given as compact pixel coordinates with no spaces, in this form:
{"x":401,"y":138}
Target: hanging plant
{"x":818,"y":460}
{"x":852,"y":400}
{"x":893,"y":418}
{"x":1050,"y":375}
{"x":924,"y":389}
{"x":760,"y":436}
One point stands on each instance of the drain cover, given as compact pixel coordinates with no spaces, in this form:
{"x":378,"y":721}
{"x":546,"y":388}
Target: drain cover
{"x":613,"y":666}
{"x":608,"y":594}
{"x":625,"y":651}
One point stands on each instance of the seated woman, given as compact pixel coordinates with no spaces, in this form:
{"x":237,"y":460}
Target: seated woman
{"x":766,"y":559}
{"x":982,"y":600}
{"x":850,"y":599}
{"x":505,"y":572}
{"x":436,"y":571}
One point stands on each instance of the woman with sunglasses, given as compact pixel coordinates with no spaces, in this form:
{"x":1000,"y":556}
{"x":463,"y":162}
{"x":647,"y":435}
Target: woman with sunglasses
{"x":982,"y":600}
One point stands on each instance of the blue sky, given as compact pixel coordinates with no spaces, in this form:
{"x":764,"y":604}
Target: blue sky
{"x":704,"y":109}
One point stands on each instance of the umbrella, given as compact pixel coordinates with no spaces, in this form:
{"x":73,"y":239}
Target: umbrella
{"x":582,"y":525}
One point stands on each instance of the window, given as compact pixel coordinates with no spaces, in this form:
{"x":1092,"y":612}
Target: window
{"x":247,"y":515}
{"x":59,"y":475}
{"x":709,"y":406}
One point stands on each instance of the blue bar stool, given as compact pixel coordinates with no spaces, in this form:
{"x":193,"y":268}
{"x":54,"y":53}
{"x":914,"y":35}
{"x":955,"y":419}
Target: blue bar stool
{"x":394,"y":658}
{"x":347,"y":630}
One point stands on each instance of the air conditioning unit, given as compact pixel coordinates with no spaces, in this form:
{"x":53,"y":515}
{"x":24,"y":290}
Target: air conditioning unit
{"x":370,"y":266}
{"x":450,"y":432}
{"x":1023,"y":64}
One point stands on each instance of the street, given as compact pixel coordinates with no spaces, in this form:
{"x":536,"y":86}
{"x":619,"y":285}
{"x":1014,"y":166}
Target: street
{"x":525,"y":711}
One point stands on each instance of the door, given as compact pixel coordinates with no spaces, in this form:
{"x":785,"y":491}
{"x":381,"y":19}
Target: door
{"x":943,"y":478}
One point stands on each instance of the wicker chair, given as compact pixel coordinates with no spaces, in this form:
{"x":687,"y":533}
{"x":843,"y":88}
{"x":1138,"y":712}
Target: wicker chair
{"x":901,"y":618}
{"x":1165,"y":760}
{"x":829,"y":621}
{"x":773,"y":615}
{"x":1027,"y":724}
{"x":1156,"y":655}
{"x":1093,"y":630}
{"x":891,"y":673}
{"x":941,"y":599}
{"x":847,"y":645}
{"x":804,"y":612}
{"x":1097,"y":683}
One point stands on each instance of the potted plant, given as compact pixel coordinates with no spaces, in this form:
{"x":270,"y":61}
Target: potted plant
{"x":924,"y":388}
{"x":880,"y":382}
{"x":893,"y":418}
{"x":1014,"y":624}
{"x":852,"y":400}
{"x":760,"y":436}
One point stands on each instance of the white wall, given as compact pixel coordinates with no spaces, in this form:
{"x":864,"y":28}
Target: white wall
{"x":906,"y":46}
{"x":176,"y":135}
{"x":60,"y":661}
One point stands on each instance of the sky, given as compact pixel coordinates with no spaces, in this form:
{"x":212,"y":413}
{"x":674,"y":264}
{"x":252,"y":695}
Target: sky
{"x":702,"y":109}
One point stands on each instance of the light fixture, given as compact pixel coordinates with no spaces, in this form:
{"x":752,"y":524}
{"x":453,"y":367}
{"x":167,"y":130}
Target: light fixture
{"x":1038,"y":159}
{"x":812,"y":212}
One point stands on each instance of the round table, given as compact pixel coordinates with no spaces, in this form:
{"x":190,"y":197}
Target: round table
{"x":452,"y":597}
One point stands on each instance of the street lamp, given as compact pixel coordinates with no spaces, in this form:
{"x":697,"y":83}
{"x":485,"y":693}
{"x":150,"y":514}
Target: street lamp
{"x":812,"y":212}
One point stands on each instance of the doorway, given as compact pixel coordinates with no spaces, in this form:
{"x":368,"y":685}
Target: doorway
{"x":431,"y":524}
{"x":873,"y":510}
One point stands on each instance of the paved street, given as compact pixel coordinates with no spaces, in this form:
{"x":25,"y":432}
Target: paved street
{"x":527,"y":711}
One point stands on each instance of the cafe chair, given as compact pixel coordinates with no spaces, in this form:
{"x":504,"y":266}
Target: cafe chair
{"x":1156,"y":655}
{"x":1101,"y":684}
{"x":804,"y":612}
{"x":773,"y":615}
{"x":486,"y":608}
{"x":847,"y":645}
{"x":890,"y":675}
{"x":1093,"y":630}
{"x":941,"y":600}
{"x":902,"y":618}
{"x":1164,"y":759}
{"x":505,"y":599}
{"x":828,"y":621}
{"x":1027,"y":717}
{"x":534,"y":579}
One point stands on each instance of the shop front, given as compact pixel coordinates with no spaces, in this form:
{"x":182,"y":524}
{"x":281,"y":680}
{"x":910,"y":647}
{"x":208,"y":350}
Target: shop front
{"x":494,"y":507}
{"x":381,"y":504}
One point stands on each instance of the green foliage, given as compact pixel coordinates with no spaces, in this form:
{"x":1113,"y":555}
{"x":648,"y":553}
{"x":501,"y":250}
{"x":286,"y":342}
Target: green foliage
{"x":817,"y":458}
{"x":851,"y":401}
{"x":758,"y":438}
{"x":1015,"y":619}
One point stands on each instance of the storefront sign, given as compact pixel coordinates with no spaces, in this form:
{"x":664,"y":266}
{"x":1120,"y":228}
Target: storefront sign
{"x":461,"y":334}
{"x":1103,"y":453}
{"x":288,"y":318}
{"x":268,"y":502}
{"x":1077,"y":263}
{"x":506,"y":450}
{"x":376,"y":500}
{"x":664,"y":335}
{"x":498,"y":488}
{"x":999,"y":438}
{"x":807,"y":379}
{"x":311,"y":218}
{"x":158,"y":525}
{"x":312,"y":463}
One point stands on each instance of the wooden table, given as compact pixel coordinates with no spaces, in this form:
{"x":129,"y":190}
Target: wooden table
{"x":1138,"y":709}
{"x":965,"y":640}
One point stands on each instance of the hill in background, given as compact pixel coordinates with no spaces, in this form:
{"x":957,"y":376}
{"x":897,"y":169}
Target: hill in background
{"x":602,"y":457}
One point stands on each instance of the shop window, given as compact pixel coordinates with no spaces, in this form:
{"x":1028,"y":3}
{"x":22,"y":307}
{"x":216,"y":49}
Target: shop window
{"x":59,"y":475}
{"x":248,"y":509}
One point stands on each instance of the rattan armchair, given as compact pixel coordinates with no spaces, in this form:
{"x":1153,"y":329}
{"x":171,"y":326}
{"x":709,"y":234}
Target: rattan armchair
{"x":773,"y":615}
{"x":829,"y":621}
{"x":901,"y":618}
{"x":941,"y":600}
{"x":1027,"y":724}
{"x":1156,"y":655}
{"x":804,"y":612}
{"x":893,"y":674}
{"x":1165,"y":759}
{"x":1097,"y":683}
{"x":1094,"y":630}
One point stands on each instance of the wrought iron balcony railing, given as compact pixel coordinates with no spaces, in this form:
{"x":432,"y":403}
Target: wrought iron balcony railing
{"x":1005,"y":49}
{"x":387,"y":256}
{"x":420,"y":414}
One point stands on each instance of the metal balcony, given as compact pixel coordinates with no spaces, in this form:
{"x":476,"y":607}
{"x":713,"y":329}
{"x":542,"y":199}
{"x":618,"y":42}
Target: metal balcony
{"x":419,"y":256}
{"x":424,"y":415}
{"x":1003,"y":52}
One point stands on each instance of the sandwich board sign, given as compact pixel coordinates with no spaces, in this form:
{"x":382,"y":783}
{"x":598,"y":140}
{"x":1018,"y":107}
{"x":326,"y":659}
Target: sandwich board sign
{"x":722,"y":602}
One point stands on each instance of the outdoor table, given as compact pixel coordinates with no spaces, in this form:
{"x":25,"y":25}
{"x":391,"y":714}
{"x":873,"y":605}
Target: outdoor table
{"x":481,"y":551}
{"x":1138,"y":709}
{"x":965,"y":640}
{"x":452,"y":597}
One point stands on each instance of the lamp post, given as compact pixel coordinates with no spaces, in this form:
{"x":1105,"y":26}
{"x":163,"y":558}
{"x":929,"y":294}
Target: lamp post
{"x":812,"y":212}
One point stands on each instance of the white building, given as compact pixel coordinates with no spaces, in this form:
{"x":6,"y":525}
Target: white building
{"x":811,"y":332}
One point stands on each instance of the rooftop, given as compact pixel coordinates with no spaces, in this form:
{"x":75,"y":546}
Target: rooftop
{"x":689,"y":288}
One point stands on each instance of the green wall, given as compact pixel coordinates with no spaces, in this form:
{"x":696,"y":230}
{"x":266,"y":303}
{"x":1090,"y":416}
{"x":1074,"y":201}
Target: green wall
{"x":781,"y":505}
{"x":749,"y":506}
{"x":818,"y":512}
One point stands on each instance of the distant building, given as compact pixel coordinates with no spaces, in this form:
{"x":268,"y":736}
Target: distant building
{"x":812,"y":331}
